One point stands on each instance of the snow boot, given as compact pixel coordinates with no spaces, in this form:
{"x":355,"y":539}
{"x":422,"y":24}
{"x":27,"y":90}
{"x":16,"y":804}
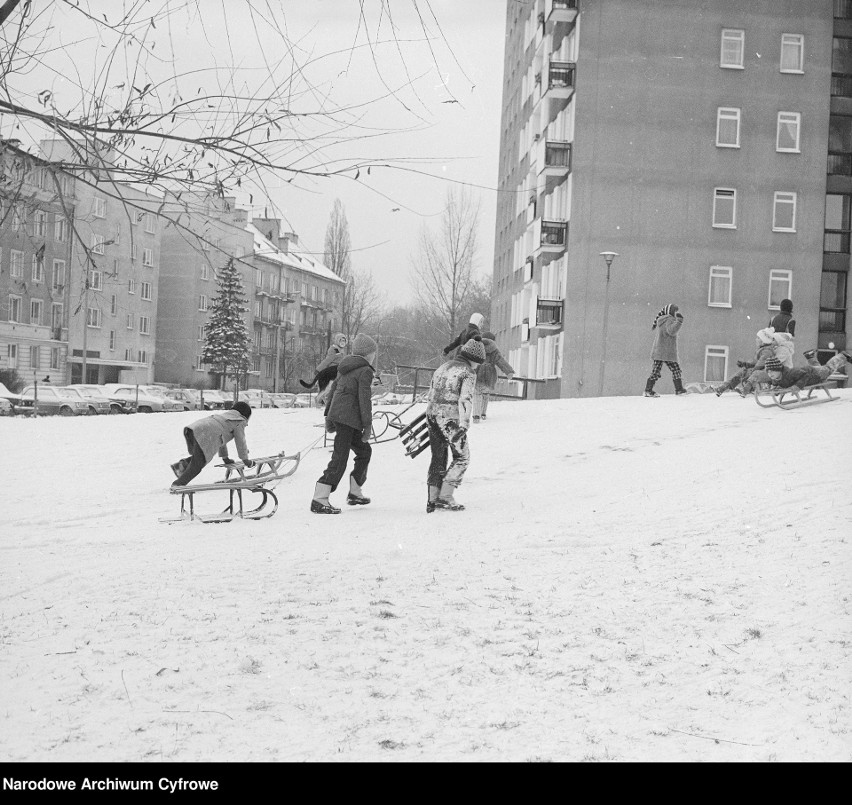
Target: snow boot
{"x":320,"y":504}
{"x":720,"y":390}
{"x":446,"y":501}
{"x":475,"y":418}
{"x":179,"y":467}
{"x":679,"y":389}
{"x":433,"y":493}
{"x":355,"y":496}
{"x":649,"y":388}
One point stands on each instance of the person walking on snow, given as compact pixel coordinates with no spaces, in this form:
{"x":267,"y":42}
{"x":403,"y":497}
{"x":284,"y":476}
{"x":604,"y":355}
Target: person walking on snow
{"x":666,"y":324}
{"x":349,"y":416}
{"x":448,"y":413}
{"x":205,"y":437}
{"x":473,"y":329}
{"x":486,"y":376}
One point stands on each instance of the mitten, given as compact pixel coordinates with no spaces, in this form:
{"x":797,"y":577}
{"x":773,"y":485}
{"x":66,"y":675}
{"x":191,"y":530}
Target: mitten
{"x":679,"y":316}
{"x":329,"y":426}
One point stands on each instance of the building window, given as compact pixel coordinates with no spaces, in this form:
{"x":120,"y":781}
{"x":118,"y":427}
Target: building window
{"x":56,"y":316}
{"x":99,"y":207}
{"x":145,"y":325}
{"x":35,"y":357}
{"x":146,"y":291}
{"x":780,"y":287}
{"x":16,"y":263}
{"x":715,"y":364}
{"x":148,"y":257}
{"x":131,"y":285}
{"x":128,"y":354}
{"x":843,"y":9}
{"x":93,"y":317}
{"x":200,"y":332}
{"x":134,"y":252}
{"x":202,"y":303}
{"x":258,"y":278}
{"x":19,"y":220}
{"x":784,"y":212}
{"x":38,"y":267}
{"x":725,"y":208}
{"x":54,"y":357}
{"x":792,"y":53}
{"x":728,"y":127}
{"x":116,"y":237}
{"x":96,"y":280}
{"x":113,"y":305}
{"x":269,"y":365}
{"x":97,"y":243}
{"x":129,"y":321}
{"x":205,"y":271}
{"x":14,"y":308}
{"x":258,"y":309}
{"x":112,"y":340}
{"x":838,"y":223}
{"x":788,"y":132}
{"x":40,"y":224}
{"x":199,"y":363}
{"x":719,"y":294}
{"x":733,"y":49}
{"x":60,"y":229}
{"x":36,"y":306}
{"x":143,"y":356}
{"x":150,"y":224}
{"x":13,"y":356}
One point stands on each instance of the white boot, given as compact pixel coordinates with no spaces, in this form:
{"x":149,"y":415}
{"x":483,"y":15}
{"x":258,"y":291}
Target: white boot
{"x":445,"y":499}
{"x":356,"y":496}
{"x":320,"y":504}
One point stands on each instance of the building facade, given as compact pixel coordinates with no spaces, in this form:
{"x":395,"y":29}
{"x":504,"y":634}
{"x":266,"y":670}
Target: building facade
{"x":690,"y":141}
{"x":36,"y":210}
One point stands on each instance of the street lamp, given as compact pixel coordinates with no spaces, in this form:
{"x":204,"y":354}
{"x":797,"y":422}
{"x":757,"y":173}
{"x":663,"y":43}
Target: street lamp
{"x":609,"y":257}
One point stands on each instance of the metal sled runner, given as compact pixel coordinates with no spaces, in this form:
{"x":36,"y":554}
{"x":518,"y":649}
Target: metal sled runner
{"x":238,"y":479}
{"x":796,"y":397}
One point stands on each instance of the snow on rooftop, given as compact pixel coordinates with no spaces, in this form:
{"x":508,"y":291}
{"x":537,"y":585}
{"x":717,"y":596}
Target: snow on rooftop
{"x":293,"y":258}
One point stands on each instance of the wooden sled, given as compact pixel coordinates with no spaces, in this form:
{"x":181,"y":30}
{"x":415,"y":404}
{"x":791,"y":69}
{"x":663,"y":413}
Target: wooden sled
{"x":387,"y":426}
{"x":415,"y":436}
{"x":238,"y":479}
{"x":796,"y":397}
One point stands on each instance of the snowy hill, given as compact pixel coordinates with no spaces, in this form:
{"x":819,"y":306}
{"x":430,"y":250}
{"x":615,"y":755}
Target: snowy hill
{"x":632,"y":579}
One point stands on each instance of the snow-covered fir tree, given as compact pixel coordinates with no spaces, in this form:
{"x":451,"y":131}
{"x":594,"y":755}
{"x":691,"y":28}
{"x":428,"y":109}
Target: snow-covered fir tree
{"x":226,"y":346}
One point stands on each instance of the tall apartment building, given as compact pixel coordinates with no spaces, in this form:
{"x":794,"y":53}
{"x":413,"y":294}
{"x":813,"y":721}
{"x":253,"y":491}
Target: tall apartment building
{"x":708,"y":145}
{"x":113,"y":273}
{"x":36,"y":209}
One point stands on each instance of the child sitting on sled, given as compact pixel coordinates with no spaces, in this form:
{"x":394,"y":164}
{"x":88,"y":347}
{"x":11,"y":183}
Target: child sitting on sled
{"x":207,"y":436}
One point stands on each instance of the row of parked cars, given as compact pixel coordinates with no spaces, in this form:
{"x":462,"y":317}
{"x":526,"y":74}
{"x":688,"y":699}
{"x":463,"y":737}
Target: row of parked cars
{"x":124,"y":398}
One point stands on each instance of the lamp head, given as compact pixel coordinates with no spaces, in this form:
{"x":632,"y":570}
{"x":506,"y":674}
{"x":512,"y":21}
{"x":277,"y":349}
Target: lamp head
{"x":609,"y":257}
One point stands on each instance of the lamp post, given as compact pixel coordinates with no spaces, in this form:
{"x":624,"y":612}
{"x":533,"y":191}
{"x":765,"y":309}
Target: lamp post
{"x":609,"y":257}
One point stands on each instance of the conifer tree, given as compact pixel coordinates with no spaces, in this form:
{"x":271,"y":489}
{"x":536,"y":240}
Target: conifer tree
{"x":226,"y":346}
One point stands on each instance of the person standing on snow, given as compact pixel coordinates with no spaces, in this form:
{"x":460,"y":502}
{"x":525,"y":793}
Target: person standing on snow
{"x":207,"y":436}
{"x":666,"y":324}
{"x":349,"y":416}
{"x":327,"y":369}
{"x":783,"y":321}
{"x":486,"y":376}
{"x":448,"y":413}
{"x":473,"y":329}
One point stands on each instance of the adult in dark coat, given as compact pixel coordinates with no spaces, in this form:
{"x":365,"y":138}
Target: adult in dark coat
{"x":349,"y":417}
{"x":783,"y":321}
{"x":473,"y":330}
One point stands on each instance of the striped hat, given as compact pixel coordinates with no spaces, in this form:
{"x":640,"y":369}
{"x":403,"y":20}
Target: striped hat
{"x":773,"y":365}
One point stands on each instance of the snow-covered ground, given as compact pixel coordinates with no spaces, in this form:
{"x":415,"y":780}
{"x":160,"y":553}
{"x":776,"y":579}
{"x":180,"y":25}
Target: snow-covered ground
{"x":633,"y":580}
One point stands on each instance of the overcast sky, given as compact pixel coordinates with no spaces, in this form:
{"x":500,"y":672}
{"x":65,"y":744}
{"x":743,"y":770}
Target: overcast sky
{"x":438,"y":96}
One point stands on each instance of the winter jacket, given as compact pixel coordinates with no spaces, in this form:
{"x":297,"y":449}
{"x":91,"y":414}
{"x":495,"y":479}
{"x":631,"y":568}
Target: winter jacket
{"x":486,"y":373}
{"x":785,"y":348}
{"x":462,"y":338}
{"x":451,"y":392}
{"x":764,"y":353}
{"x":333,"y":357}
{"x":665,"y":339}
{"x":350,"y":402}
{"x":783,"y":323}
{"x":213,"y":432}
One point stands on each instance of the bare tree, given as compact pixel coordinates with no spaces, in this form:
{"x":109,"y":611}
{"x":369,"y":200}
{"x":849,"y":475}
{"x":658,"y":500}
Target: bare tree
{"x":362,"y":304}
{"x":338,"y":244}
{"x":443,"y":270}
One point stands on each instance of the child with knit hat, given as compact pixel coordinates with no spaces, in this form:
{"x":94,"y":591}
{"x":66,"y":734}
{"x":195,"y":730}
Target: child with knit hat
{"x":327,"y":369}
{"x":473,"y":329}
{"x":664,"y":351}
{"x":205,"y":437}
{"x":765,"y":350}
{"x":776,"y":374}
{"x":486,"y":376}
{"x":448,"y":413}
{"x":349,"y":415}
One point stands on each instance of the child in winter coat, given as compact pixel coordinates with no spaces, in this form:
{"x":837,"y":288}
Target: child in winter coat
{"x":783,"y":321}
{"x":667,"y":324}
{"x":327,"y":369}
{"x":473,"y":329}
{"x":765,"y":351}
{"x":349,"y":417}
{"x":486,"y":376}
{"x":207,"y":436}
{"x":776,"y":374}
{"x":448,"y":414}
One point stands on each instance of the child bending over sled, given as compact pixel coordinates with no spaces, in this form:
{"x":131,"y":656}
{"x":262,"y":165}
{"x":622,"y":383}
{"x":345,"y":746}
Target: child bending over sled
{"x":207,"y":436}
{"x":776,"y":374}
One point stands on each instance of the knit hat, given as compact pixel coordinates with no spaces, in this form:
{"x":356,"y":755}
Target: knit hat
{"x":473,"y":351}
{"x":765,"y":336}
{"x":668,"y":310}
{"x":773,"y":365}
{"x":489,"y":335}
{"x":363,"y":345}
{"x":477,"y":320}
{"x":242,"y":408}
{"x":786,"y":306}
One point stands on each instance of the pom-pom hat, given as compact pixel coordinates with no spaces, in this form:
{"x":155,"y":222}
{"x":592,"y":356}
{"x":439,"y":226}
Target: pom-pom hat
{"x":363,"y":345}
{"x":473,"y":351}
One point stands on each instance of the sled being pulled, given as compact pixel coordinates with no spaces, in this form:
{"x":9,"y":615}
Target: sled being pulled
{"x":794,"y":397}
{"x":238,"y":479}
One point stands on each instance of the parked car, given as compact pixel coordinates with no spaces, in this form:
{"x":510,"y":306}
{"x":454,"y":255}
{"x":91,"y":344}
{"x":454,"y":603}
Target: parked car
{"x":7,"y":399}
{"x":50,"y":401}
{"x":215,"y":399}
{"x":169,"y":404}
{"x":189,"y":399}
{"x":98,"y":404}
{"x":6,"y":408}
{"x":117,"y":405}
{"x":256,"y":398}
{"x":137,"y":400}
